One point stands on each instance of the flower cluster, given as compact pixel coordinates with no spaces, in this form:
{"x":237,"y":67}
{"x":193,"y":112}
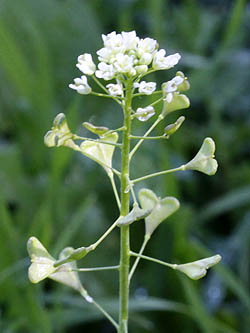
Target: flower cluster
{"x":128,"y":54}
{"x":124,"y":55}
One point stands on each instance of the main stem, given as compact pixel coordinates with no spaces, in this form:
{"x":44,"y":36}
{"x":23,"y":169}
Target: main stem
{"x":125,"y":244}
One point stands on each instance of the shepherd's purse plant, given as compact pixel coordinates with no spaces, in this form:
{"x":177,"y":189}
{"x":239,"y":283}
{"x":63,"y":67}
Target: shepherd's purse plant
{"x":124,"y":62}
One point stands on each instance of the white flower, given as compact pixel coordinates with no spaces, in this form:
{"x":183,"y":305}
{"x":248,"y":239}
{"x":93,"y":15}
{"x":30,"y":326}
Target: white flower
{"x":86,"y":64}
{"x":115,"y":89}
{"x":147,"y":45}
{"x":114,"y":42}
{"x":105,"y":71}
{"x":126,"y":53}
{"x":171,"y":86}
{"x":162,"y":62}
{"x":146,"y":59}
{"x":104,"y":54}
{"x":144,"y":114}
{"x":141,"y":69}
{"x":125,"y":64}
{"x":130,"y":40}
{"x":81,"y":85}
{"x":146,"y":49}
{"x":145,"y":87}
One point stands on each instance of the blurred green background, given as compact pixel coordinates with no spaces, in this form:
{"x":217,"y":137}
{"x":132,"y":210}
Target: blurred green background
{"x":64,"y":199}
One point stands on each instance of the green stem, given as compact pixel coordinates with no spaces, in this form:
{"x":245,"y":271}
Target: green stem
{"x":117,"y":198}
{"x":106,"y":314}
{"x":181,"y":168}
{"x":90,"y":300}
{"x":151,"y":70}
{"x":156,"y":102}
{"x":143,"y":94}
{"x":125,"y":195}
{"x":145,"y":135}
{"x":105,"y":234}
{"x":77,"y":137}
{"x":153,"y":259}
{"x":133,"y":195}
{"x":93,"y":269}
{"x":105,"y":89}
{"x":101,"y":95}
{"x":149,"y":137}
{"x":146,"y":239}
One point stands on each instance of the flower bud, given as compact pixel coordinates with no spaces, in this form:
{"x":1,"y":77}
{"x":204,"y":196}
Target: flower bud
{"x":141,"y":69}
{"x":86,"y":64}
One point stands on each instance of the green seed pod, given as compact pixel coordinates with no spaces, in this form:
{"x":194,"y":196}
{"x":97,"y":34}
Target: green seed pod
{"x":161,"y":208}
{"x":135,"y":214}
{"x":98,"y":130}
{"x":204,"y":160}
{"x":178,"y":102}
{"x":185,"y":85}
{"x":42,"y":263}
{"x":100,"y":152}
{"x":60,"y":134}
{"x":172,"y":128}
{"x":198,"y":269}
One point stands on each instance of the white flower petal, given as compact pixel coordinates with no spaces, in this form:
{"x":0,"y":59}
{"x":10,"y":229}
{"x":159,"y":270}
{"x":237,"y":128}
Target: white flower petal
{"x":146,"y":88}
{"x":86,"y":64}
{"x":81,"y":85}
{"x":162,"y":62}
{"x":143,"y":114}
{"x":115,"y":89}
